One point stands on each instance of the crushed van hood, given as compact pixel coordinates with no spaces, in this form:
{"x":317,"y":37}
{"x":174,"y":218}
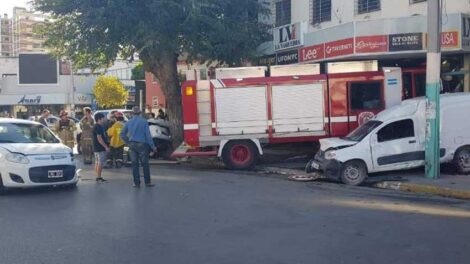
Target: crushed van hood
{"x":328,"y":143}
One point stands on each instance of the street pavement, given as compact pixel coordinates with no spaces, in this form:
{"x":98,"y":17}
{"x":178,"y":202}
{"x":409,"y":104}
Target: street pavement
{"x":216,"y":216}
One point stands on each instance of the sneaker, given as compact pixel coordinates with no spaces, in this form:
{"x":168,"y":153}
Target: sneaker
{"x":100,"y":179}
{"x":149,"y":185}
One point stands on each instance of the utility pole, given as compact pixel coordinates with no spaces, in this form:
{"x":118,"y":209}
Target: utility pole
{"x":433,"y":87}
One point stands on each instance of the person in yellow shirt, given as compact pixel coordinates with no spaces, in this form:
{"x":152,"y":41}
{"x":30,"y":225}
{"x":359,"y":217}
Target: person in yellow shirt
{"x":116,"y":143}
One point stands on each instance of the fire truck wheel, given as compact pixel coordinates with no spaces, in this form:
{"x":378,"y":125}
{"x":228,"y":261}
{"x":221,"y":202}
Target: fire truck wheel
{"x":462,"y":160}
{"x":239,"y":155}
{"x":353,"y":172}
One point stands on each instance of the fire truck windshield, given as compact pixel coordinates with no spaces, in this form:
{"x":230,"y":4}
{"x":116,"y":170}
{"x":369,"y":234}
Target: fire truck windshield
{"x":361,"y":132}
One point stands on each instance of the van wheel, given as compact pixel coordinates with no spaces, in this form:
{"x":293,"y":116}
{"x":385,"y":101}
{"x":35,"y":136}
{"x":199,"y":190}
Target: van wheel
{"x":353,"y":173}
{"x":239,"y":155}
{"x":462,"y":160}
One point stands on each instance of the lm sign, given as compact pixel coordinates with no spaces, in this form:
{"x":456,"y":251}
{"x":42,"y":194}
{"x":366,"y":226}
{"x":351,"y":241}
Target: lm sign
{"x":289,"y":36}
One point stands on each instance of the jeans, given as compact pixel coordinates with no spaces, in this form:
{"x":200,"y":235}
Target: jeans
{"x":139,"y":153}
{"x":117,"y":155}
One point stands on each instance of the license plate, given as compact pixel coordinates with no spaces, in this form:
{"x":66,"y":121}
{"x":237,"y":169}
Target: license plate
{"x":55,"y":174}
{"x":315,"y":166}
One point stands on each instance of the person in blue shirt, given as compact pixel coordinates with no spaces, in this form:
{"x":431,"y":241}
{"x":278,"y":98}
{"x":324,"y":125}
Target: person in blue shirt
{"x":137,"y":136}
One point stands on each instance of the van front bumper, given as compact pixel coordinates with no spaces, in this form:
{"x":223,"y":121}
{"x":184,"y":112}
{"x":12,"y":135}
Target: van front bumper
{"x":330,"y":168}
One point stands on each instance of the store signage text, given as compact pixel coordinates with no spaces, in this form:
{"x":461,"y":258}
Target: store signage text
{"x":289,"y":57}
{"x":312,"y":53}
{"x":450,"y":39}
{"x":29,"y":101}
{"x":404,"y":42}
{"x":288,"y":36}
{"x":370,"y":44}
{"x":339,"y":48}
{"x":267,"y":60}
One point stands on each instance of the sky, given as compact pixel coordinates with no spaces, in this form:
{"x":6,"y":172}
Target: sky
{"x":6,"y":6}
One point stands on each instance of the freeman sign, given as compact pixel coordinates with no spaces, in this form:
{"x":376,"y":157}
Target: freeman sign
{"x":288,"y":36}
{"x":30,"y":101}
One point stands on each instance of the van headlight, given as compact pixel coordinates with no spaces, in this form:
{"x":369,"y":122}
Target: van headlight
{"x":331,"y":154}
{"x":17,"y":158}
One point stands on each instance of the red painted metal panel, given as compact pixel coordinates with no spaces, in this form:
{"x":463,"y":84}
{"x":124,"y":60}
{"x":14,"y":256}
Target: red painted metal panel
{"x":190,"y":113}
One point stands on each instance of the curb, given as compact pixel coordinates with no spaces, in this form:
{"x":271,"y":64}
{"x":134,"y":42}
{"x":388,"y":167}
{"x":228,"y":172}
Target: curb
{"x":275,"y":170}
{"x":424,"y":189}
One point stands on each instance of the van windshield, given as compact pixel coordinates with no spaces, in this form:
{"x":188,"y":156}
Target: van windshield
{"x":361,"y":132}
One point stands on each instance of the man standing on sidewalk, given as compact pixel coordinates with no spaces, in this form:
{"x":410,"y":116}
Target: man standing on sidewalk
{"x":137,"y":136}
{"x":100,"y":145}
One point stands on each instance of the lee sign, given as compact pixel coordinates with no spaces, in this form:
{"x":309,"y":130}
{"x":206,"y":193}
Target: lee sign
{"x":289,"y":36}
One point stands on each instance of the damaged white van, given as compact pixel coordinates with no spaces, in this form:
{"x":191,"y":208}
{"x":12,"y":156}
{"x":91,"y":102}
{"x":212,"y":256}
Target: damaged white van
{"x":395,"y":140}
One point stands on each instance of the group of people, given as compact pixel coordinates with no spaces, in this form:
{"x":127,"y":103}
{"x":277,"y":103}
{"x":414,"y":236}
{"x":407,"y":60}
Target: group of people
{"x":105,"y":138}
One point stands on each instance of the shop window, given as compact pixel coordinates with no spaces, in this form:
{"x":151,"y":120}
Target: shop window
{"x":283,"y":12}
{"x":367,"y":6}
{"x":321,"y":11}
{"x":396,"y":130}
{"x":365,"y":96}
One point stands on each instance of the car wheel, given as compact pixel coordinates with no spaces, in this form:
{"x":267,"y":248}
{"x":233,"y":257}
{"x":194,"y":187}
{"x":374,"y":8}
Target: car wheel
{"x":353,"y":172}
{"x":462,"y":160}
{"x":239,"y":155}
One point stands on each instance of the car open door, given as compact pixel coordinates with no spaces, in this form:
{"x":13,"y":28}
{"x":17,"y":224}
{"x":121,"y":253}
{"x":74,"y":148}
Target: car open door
{"x":396,"y":146}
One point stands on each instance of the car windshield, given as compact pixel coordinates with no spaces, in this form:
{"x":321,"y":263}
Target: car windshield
{"x":25,"y":133}
{"x":361,"y":132}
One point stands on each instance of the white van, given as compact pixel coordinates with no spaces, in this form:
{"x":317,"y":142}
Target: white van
{"x":395,"y":140}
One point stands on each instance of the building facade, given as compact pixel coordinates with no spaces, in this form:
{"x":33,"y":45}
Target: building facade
{"x":6,"y":36}
{"x":392,"y":32}
{"x":25,"y":37}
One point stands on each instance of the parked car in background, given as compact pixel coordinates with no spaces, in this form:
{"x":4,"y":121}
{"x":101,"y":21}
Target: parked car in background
{"x":32,"y":156}
{"x":395,"y":140}
{"x":52,"y":120}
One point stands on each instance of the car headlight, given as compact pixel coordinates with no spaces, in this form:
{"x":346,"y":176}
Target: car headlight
{"x":17,"y":158}
{"x":331,"y":154}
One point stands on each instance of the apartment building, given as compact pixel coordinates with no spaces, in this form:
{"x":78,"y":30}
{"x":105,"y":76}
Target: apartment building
{"x":6,"y":36}
{"x":25,"y":38}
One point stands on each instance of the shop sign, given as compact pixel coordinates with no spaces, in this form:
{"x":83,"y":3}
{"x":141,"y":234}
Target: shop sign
{"x":404,"y":42}
{"x":30,"y":100}
{"x":339,"y":48}
{"x":289,"y":57}
{"x":312,"y":53}
{"x":289,"y":36}
{"x":267,"y":60}
{"x":83,"y":99}
{"x":450,"y":40}
{"x":465,"y":32}
{"x":371,"y":44}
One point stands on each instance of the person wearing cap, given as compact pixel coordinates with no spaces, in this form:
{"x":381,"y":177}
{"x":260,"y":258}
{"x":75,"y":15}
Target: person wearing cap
{"x":64,"y":129}
{"x":116,"y":143}
{"x":136,"y":135}
{"x":86,"y":124}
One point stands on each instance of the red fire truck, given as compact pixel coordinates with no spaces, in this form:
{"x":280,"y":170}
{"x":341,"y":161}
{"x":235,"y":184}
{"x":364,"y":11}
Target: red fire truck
{"x":243,"y":109}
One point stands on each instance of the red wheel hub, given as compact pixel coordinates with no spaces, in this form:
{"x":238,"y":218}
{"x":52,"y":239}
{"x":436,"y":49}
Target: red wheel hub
{"x":240,"y":154}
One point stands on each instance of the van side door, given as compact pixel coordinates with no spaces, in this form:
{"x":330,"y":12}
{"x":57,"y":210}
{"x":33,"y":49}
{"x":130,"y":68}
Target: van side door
{"x":396,"y":146}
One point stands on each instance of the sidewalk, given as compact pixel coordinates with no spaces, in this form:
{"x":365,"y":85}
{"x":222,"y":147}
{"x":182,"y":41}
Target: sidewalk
{"x":454,"y":186}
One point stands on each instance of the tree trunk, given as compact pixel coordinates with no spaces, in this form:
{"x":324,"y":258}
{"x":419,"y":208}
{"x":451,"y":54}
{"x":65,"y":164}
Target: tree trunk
{"x":164,"y":66}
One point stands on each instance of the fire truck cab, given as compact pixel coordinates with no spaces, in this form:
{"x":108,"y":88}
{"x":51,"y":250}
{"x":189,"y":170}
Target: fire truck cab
{"x":243,"y":109}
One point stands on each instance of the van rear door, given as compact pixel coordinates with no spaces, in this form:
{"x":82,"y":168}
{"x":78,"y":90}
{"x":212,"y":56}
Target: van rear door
{"x":396,"y":146}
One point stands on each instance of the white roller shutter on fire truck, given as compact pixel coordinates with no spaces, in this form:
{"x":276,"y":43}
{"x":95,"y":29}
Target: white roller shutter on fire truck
{"x":298,"y":108}
{"x":241,"y":111}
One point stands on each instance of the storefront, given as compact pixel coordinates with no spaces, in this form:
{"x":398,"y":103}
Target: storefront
{"x":400,"y":42}
{"x":27,"y":105}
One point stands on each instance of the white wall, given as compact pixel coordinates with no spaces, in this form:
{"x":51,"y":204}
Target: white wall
{"x":343,"y":11}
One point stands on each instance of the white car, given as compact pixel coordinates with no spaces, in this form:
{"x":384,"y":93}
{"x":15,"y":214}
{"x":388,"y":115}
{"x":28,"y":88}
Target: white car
{"x":32,"y":156}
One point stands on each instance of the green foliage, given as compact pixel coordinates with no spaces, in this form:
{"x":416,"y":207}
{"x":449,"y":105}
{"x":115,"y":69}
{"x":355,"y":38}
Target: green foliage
{"x":138,"y":73}
{"x":110,"y":92}
{"x":93,"y":32}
